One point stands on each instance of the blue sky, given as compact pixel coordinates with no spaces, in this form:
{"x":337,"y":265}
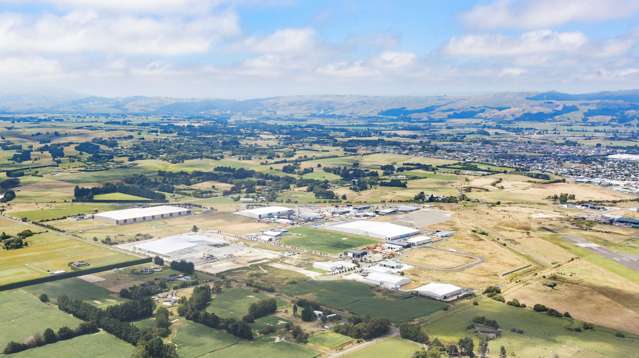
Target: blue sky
{"x":258,"y":48}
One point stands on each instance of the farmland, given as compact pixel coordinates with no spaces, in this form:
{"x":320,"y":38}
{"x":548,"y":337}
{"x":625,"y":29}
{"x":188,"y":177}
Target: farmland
{"x":543,"y":335}
{"x":49,"y":252}
{"x":99,"y":345}
{"x":364,"y":301}
{"x":391,"y":347}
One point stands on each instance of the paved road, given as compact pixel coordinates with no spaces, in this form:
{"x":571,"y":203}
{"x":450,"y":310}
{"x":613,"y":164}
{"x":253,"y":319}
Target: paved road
{"x":628,"y":260}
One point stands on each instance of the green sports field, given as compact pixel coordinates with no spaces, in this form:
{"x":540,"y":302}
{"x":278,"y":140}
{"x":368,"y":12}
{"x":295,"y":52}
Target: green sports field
{"x":325,"y":241}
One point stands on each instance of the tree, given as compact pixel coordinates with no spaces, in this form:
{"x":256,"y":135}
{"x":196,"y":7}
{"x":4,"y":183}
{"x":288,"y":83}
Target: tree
{"x":413,"y":332}
{"x":44,"y":298}
{"x":195,"y":228}
{"x":307,"y":314}
{"x":483,"y":347}
{"x":154,"y":348}
{"x":65,"y":333}
{"x":162,"y":318}
{"x":49,"y":336}
{"x":502,"y":352}
{"x":466,"y":346}
{"x":158,"y":261}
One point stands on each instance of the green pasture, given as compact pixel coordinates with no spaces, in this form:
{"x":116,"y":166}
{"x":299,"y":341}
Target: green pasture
{"x":544,"y":336}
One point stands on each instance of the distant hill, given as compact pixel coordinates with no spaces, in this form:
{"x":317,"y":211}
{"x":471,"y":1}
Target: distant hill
{"x":627,"y":96}
{"x":499,"y":105}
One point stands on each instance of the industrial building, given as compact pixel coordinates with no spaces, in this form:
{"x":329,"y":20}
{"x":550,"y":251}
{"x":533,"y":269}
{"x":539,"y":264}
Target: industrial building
{"x":386,"y":280}
{"x":267,"y":212}
{"x":419,"y":240}
{"x":397,"y":245}
{"x":378,"y":229}
{"x":442,"y":291}
{"x":334,"y":266}
{"x":129,"y":216}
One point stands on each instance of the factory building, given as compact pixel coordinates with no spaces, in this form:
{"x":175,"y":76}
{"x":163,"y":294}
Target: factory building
{"x":134,"y":215}
{"x":442,"y":291}
{"x":377,"y":229}
{"x":387,"y":280}
{"x":268,"y":212}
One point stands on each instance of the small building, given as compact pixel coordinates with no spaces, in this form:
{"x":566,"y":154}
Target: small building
{"x":442,"y":291}
{"x":391,"y":264}
{"x":268,"y":212}
{"x":129,"y":216}
{"x":407,"y":208}
{"x":356,"y":254}
{"x":444,"y":234}
{"x":419,"y":240}
{"x":386,"y":211}
{"x":396,"y":245}
{"x":387,"y":280}
{"x":333,"y":266}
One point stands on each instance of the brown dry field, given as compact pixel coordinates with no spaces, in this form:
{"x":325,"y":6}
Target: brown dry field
{"x":589,"y":293}
{"x":226,"y":222}
{"x":209,"y":184}
{"x":522,"y":189}
{"x":425,"y":258}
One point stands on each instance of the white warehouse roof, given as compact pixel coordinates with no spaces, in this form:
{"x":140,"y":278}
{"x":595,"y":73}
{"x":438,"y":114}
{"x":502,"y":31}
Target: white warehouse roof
{"x":382,"y":230}
{"x":441,"y":291}
{"x":387,"y":279}
{"x":268,"y":211}
{"x":137,"y":213}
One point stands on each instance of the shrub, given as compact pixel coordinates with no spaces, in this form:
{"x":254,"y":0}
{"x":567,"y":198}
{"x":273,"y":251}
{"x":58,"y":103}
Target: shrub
{"x":44,"y":298}
{"x":539,"y":308}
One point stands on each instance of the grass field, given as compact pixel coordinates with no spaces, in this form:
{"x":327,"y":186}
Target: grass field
{"x":49,"y":252}
{"x":325,"y":241}
{"x":234,"y":302}
{"x":391,"y":347}
{"x":23,"y":315}
{"x":61,"y":211}
{"x":330,"y":340}
{"x":76,"y":288}
{"x":362,"y":300}
{"x":99,"y":345}
{"x":119,"y":197}
{"x":544,"y":336}
{"x":194,"y":340}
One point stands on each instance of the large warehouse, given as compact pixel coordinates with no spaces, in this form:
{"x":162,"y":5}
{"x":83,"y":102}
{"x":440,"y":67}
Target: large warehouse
{"x":387,"y":280}
{"x":129,"y":216}
{"x":378,"y":229}
{"x":442,"y":291}
{"x":267,"y":212}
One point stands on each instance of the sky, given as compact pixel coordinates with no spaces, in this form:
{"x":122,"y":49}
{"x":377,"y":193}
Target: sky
{"x":264,"y":48}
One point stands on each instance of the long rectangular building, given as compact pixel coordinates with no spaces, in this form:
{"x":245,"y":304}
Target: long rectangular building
{"x":378,"y":229}
{"x":267,"y":212}
{"x":129,"y":216}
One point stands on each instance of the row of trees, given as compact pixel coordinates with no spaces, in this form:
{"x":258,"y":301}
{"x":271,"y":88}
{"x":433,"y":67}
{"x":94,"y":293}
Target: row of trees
{"x":193,"y":309}
{"x":367,"y":328}
{"x":87,"y":194}
{"x":49,"y":336}
{"x":87,"y":312}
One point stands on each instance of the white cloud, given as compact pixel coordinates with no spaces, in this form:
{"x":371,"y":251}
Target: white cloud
{"x":285,"y":41}
{"x":21,"y":67}
{"x":536,"y":14}
{"x":511,"y":72}
{"x":394,"y":60}
{"x":90,"y":31}
{"x":529,"y":43}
